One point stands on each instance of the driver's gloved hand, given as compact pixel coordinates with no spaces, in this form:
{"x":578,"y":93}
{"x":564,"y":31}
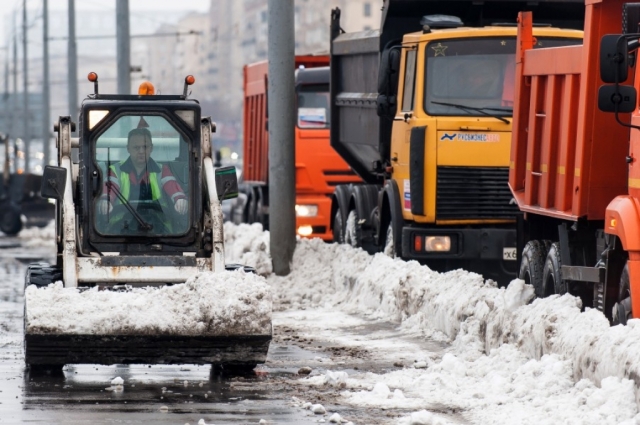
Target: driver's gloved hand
{"x":104,"y":206}
{"x":182,"y":206}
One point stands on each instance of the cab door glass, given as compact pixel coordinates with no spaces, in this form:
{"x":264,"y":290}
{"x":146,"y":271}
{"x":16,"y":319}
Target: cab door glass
{"x":408,"y":89}
{"x":143,"y":160}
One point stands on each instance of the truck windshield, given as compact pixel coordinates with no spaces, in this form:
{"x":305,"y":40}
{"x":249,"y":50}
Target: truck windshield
{"x":143,"y":162}
{"x":474,"y":76}
{"x":313,"y":106}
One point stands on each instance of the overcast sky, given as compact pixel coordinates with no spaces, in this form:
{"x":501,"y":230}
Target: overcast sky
{"x":103,"y":6}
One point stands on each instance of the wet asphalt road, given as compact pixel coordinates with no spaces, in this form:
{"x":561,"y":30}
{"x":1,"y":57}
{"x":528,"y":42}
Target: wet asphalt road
{"x":157,"y":394}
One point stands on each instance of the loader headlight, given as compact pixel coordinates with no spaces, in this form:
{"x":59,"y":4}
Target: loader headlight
{"x":306,"y":210}
{"x":437,"y":243}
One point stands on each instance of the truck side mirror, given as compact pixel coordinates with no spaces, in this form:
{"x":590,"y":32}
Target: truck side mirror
{"x":54,"y":180}
{"x":226,"y":182}
{"x":617,"y":98}
{"x":614,"y":54}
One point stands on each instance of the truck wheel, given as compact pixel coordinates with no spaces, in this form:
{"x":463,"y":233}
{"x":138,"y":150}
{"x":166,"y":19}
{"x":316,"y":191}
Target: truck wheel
{"x":338,"y":227}
{"x":533,"y":256}
{"x":622,"y":309}
{"x":353,"y":230}
{"x":551,"y":274}
{"x":10,"y":223}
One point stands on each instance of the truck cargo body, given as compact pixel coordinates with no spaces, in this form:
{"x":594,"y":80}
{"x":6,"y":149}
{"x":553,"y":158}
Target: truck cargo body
{"x":569,"y":161}
{"x":318,"y":167}
{"x":425,"y":120}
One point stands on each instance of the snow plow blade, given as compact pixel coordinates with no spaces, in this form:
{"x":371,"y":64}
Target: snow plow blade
{"x":213,"y":318}
{"x":94,"y":349}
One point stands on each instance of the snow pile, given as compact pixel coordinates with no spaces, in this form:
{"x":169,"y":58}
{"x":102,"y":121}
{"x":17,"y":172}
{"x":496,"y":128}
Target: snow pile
{"x":210,"y":304}
{"x":250,"y":248}
{"x":472,"y":313}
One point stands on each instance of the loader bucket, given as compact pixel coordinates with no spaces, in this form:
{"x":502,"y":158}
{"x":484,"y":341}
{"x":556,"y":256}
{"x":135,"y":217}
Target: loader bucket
{"x":214,"y":318}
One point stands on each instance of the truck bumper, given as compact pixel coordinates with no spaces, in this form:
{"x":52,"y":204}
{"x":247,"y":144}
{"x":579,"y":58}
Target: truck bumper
{"x":318,"y":226}
{"x":487,"y":251}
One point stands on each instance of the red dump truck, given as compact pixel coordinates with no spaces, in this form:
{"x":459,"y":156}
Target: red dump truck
{"x":319,"y":169}
{"x":574,"y":168}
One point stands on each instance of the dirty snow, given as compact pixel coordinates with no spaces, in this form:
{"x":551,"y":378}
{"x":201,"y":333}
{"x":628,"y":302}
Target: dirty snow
{"x":226,"y":303}
{"x":512,"y":359}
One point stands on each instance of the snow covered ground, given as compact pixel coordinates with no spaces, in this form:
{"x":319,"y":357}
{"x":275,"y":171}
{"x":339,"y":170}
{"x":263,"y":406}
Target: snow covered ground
{"x":511,"y":360}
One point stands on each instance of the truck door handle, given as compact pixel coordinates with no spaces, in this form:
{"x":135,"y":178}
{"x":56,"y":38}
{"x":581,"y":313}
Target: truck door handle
{"x":407,"y":116}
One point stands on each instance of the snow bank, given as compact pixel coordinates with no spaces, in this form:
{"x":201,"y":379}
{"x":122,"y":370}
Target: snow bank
{"x":210,"y":304}
{"x":468,"y":310}
{"x":250,"y":247}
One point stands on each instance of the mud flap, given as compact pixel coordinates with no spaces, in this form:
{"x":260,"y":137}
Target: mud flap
{"x":145,"y":349}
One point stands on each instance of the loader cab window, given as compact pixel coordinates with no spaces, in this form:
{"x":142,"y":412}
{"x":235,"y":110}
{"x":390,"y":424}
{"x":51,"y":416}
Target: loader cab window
{"x":144,"y":188}
{"x":474,"y":76}
{"x":313,"y":106}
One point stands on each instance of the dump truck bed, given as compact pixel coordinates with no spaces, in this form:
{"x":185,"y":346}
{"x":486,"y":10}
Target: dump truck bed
{"x":255,"y":116}
{"x":564,"y":162}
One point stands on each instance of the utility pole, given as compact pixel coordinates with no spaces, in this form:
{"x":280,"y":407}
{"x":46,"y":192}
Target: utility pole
{"x":14,"y":98}
{"x":7,"y":93}
{"x":282,"y":121}
{"x":25,"y":85}
{"x":46,"y":111}
{"x":123,"y":47}
{"x":72,"y":63}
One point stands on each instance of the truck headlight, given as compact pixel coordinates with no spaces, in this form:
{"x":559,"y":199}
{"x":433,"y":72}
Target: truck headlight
{"x":305,"y":230}
{"x":306,"y":210}
{"x":437,"y":243}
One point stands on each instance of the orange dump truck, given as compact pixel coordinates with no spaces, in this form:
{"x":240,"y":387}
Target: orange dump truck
{"x":574,"y":168}
{"x":319,"y":169}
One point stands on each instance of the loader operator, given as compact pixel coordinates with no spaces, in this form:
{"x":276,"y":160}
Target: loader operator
{"x":141,"y":181}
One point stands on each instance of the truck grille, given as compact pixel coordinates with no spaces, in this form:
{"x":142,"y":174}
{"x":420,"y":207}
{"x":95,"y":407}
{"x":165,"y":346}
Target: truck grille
{"x":465,"y":193}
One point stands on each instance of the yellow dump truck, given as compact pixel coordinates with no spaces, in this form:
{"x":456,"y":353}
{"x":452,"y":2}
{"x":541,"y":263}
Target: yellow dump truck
{"x":421,"y":110}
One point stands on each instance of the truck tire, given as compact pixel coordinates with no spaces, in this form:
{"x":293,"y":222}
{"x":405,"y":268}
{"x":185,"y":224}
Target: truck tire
{"x":353,"y":230}
{"x":338,"y":227}
{"x":532,"y":266}
{"x":552,"y":273}
{"x":622,"y":309}
{"x":10,"y":223}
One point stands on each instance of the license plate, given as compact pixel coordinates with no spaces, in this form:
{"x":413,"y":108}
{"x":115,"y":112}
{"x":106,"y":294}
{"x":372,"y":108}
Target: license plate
{"x":509,"y":254}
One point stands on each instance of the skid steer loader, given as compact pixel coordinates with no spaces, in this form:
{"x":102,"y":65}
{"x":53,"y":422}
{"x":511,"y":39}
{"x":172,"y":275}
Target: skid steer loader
{"x":123,"y":252}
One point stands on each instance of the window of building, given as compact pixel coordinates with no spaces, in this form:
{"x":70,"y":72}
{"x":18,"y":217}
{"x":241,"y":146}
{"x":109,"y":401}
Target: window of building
{"x":367,"y":9}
